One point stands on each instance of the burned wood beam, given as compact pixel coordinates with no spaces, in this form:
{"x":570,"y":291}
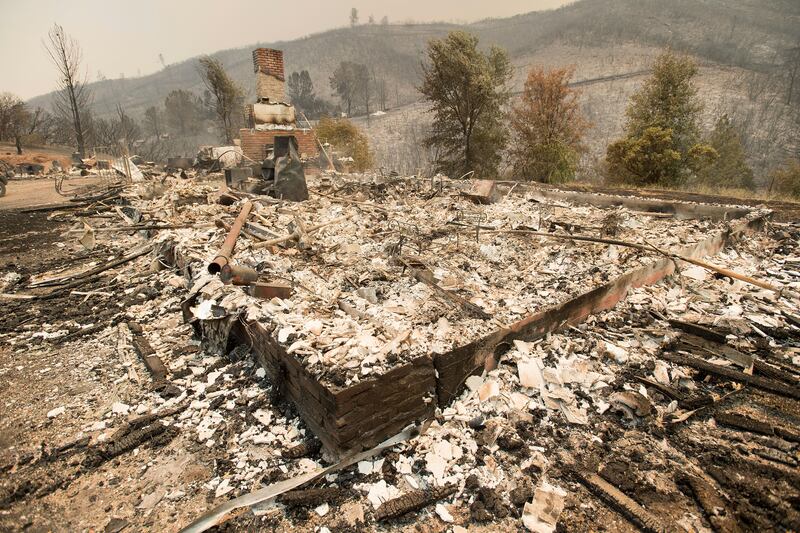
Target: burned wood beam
{"x":631,"y":510}
{"x":713,"y":505}
{"x":793,"y":319}
{"x":311,"y":497}
{"x":743,"y":423}
{"x":670,"y":392}
{"x":698,"y":330}
{"x":413,"y":501}
{"x":87,"y":331}
{"x":96,"y":270}
{"x":751,"y":425}
{"x":758,"y":382}
{"x":153,"y":362}
{"x":426,"y":277}
{"x":635,"y":513}
{"x":304,"y":449}
{"x":129,"y":441}
{"x":690,"y":343}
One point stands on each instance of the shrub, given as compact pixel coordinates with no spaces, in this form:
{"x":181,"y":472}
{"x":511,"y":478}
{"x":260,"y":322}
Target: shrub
{"x":347,"y":140}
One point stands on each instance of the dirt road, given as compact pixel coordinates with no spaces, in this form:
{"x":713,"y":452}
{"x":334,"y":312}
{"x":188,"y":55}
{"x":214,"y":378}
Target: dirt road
{"x":30,"y":193}
{"x":40,"y":191}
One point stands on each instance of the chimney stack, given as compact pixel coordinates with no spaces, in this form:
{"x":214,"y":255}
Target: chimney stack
{"x":268,"y":66}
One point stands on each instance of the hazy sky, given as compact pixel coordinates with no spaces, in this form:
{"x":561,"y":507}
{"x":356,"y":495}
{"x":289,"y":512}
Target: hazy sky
{"x":127,"y":37}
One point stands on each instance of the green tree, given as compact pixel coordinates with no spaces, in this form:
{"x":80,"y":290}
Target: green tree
{"x":152,"y":121}
{"x":350,"y":82}
{"x":730,"y":168}
{"x":301,"y":94}
{"x":662,"y":144}
{"x":467,"y":89}
{"x":182,"y":112}
{"x":227,"y":97}
{"x":547,"y":127}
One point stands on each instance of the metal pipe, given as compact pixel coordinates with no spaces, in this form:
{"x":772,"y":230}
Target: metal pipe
{"x":224,"y":255}
{"x":238,"y":275}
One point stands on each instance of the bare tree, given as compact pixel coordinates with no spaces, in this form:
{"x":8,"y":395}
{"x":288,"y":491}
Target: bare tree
{"x":346,"y":82}
{"x":14,"y":119}
{"x":129,"y":130}
{"x":792,"y":66}
{"x":73,"y":96}
{"x":380,"y":90}
{"x":152,"y":120}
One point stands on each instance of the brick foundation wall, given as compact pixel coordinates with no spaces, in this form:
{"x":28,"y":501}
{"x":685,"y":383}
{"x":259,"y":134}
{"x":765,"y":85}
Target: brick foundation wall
{"x":254,"y":142}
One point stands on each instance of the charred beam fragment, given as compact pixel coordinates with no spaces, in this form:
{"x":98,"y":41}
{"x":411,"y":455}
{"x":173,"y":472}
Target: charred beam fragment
{"x":156,"y":432}
{"x":769,"y":385}
{"x":635,"y":513}
{"x":714,"y":506}
{"x":153,"y":362}
{"x":698,"y":330}
{"x":311,"y":497}
{"x":87,"y":331}
{"x":412,"y":501}
{"x":744,"y":423}
{"x":304,"y":449}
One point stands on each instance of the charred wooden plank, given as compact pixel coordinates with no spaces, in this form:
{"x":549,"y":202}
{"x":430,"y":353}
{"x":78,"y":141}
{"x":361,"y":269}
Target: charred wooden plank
{"x":311,"y":497}
{"x":690,"y":342}
{"x":635,"y":513}
{"x":153,"y":362}
{"x":769,"y":385}
{"x":424,"y":275}
{"x":793,"y":319}
{"x":307,"y":447}
{"x":670,"y":392}
{"x":412,"y":501}
{"x":697,"y":329}
{"x":714,"y":506}
{"x":744,"y":423}
{"x":776,"y":455}
{"x":129,"y":441}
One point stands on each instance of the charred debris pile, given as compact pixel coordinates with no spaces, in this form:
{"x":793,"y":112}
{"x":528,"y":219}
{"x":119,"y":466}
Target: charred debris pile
{"x":368,"y":351}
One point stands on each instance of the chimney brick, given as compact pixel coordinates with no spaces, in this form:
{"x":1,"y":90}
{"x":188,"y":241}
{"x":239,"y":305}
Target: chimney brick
{"x":268,"y":61}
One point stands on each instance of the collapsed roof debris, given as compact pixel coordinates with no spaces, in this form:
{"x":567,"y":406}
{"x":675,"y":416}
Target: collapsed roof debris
{"x":391,"y":351}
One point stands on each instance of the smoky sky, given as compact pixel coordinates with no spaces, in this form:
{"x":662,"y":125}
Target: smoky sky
{"x":126,"y":38}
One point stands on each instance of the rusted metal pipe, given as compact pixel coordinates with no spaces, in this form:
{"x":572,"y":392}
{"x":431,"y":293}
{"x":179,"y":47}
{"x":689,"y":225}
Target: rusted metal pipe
{"x":224,"y":255}
{"x":238,"y":275}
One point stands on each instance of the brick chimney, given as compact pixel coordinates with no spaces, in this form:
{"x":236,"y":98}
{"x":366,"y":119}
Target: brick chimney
{"x":268,"y":66}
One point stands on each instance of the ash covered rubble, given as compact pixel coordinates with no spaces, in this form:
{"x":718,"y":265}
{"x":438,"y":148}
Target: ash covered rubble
{"x":359,"y":306}
{"x":613,"y":422}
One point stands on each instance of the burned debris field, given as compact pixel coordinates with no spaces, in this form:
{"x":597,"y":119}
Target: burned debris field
{"x":490,"y":271}
{"x":557,"y":364}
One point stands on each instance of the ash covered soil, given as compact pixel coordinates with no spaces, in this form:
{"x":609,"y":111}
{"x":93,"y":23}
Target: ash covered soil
{"x":603,"y":426}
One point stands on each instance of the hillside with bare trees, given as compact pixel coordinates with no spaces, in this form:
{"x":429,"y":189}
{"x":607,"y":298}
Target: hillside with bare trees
{"x":748,"y":52}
